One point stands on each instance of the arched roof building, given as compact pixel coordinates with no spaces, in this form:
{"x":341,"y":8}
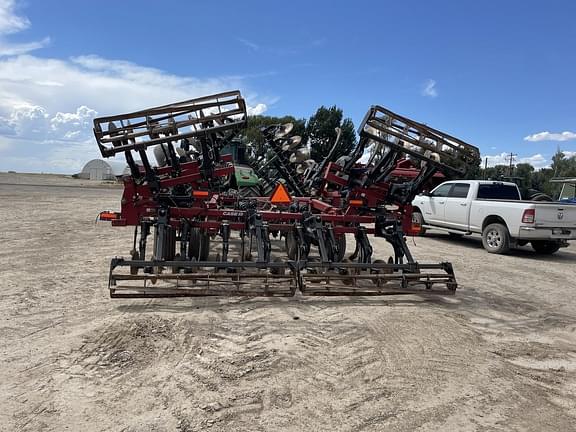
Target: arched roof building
{"x":98,"y":169}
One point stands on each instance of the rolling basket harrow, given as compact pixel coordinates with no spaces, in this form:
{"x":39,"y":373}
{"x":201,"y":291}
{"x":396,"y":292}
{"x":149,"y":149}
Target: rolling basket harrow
{"x":195,"y":235}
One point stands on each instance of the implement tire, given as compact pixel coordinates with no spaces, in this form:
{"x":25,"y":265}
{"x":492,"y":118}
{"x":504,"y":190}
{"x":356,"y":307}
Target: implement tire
{"x":291,"y":245}
{"x":199,"y":244}
{"x":341,"y":245}
{"x":496,"y":238}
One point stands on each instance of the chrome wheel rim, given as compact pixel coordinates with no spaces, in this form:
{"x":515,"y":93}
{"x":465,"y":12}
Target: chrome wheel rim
{"x":493,"y":239}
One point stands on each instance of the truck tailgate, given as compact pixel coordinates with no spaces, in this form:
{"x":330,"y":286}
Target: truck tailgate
{"x":560,"y":215}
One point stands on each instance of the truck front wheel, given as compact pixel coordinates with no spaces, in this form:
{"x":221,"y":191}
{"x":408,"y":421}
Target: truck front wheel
{"x":545,"y":247}
{"x":419,"y":220}
{"x":496,"y":238}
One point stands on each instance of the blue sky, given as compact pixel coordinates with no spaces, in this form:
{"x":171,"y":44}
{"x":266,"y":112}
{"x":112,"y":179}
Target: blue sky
{"x":493,"y":73}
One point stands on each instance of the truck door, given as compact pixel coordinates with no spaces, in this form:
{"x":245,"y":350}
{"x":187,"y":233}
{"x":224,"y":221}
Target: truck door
{"x":434,"y":211}
{"x":457,"y":207}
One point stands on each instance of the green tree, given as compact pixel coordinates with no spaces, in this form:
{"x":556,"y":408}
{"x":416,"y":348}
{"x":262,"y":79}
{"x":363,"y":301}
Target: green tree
{"x":563,"y":166}
{"x":524,"y":171}
{"x":541,"y":181}
{"x":558,"y":163}
{"x":321,"y":133}
{"x":253,"y":137}
{"x":494,"y":173}
{"x":473,"y":172}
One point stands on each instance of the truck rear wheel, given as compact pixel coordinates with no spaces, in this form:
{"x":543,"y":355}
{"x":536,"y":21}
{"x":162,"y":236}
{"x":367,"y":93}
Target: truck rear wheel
{"x":545,"y":247}
{"x":496,"y":238}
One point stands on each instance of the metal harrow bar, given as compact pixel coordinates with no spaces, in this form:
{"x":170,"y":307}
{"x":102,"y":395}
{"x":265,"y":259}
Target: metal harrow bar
{"x":358,"y":279}
{"x":210,"y":278}
{"x":283,"y":279}
{"x":199,"y":117}
{"x":418,"y":140}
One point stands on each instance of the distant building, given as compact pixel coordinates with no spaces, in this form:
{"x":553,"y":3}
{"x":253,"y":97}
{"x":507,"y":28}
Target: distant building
{"x":98,"y":169}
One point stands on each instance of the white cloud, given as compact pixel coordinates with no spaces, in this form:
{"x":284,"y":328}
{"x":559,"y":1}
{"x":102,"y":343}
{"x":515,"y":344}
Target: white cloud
{"x":4,"y":144}
{"x":569,"y":154}
{"x":78,"y":119}
{"x":320,"y":42}
{"x":11,"y":49}
{"x":253,"y":46}
{"x":108,"y":86}
{"x":50,"y":101}
{"x":550,"y":136}
{"x":34,"y":122}
{"x":47,"y":105}
{"x":10,"y":23}
{"x":495,"y":159}
{"x":258,"y":109}
{"x":538,"y":161}
{"x":430,"y":89}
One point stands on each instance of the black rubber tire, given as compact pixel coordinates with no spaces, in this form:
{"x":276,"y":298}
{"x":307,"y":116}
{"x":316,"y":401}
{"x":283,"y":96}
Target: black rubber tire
{"x":251,"y":191}
{"x":204,"y":246}
{"x":341,"y":243}
{"x":194,"y":243}
{"x":199,"y":244}
{"x":545,"y":247}
{"x":417,"y":216}
{"x":291,"y":245}
{"x":496,"y":238}
{"x":541,"y":197}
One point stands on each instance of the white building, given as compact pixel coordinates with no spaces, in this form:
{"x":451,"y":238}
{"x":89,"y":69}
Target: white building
{"x":98,"y":169}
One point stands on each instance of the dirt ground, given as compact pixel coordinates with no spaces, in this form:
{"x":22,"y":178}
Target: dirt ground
{"x":500,"y":355}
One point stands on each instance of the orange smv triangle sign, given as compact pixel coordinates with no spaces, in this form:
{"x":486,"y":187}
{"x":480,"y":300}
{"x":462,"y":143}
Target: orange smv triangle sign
{"x":280,"y":195}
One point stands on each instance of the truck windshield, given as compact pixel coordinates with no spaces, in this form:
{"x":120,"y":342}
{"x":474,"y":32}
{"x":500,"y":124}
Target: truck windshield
{"x":568,"y":191}
{"x":498,"y":191}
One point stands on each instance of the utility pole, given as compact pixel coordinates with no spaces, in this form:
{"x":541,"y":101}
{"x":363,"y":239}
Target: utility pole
{"x":511,"y":156}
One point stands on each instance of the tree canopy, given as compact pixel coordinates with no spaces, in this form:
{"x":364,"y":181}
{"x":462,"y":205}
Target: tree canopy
{"x":254,"y":137}
{"x":526,"y":176}
{"x":318,"y":131}
{"x":321,"y":133}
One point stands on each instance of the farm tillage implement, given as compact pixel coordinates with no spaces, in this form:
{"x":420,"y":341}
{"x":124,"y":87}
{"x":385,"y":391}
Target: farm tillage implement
{"x":196,"y":235}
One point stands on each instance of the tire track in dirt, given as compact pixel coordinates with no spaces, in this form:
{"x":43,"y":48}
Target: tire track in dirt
{"x":105,"y":341}
{"x":40,"y":383}
{"x":420,"y":362}
{"x":379,"y":358}
{"x":229,"y":374}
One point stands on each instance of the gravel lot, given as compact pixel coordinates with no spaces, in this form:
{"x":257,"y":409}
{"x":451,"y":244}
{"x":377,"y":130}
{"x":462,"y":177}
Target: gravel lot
{"x":500,"y":355}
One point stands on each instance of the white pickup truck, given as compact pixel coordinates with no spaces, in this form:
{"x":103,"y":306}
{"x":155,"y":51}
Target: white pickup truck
{"x":495,"y":210}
